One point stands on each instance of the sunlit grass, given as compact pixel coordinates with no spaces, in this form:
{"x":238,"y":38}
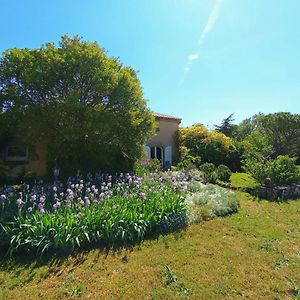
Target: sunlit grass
{"x":253,"y":254}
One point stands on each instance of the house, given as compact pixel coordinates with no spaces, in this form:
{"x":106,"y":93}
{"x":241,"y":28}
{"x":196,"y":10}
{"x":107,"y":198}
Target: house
{"x":21,"y":158}
{"x":162,"y":145}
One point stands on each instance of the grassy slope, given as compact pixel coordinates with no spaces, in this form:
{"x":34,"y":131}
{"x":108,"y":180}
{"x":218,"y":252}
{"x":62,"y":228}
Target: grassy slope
{"x":247,"y":255}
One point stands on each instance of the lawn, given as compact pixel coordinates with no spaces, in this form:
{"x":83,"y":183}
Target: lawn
{"x":252,"y":254}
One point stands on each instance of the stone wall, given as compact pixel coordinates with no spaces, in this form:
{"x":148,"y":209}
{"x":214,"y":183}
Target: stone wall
{"x":279,"y":192}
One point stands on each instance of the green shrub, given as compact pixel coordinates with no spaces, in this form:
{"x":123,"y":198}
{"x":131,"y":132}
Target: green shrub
{"x":223,"y":173}
{"x":140,"y":169}
{"x":154,"y":165}
{"x":243,"y":181}
{"x":195,"y":174}
{"x":209,"y":172}
{"x":29,"y":177}
{"x":283,"y":170}
{"x":189,"y":163}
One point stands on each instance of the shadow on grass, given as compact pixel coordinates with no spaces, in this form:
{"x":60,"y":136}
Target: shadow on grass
{"x":56,"y":260}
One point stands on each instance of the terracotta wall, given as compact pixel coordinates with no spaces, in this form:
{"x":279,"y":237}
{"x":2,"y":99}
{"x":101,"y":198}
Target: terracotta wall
{"x":37,"y":162}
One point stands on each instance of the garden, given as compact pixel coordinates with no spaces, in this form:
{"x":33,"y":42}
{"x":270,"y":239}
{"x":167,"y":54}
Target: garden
{"x":87,"y":109}
{"x":111,"y":211}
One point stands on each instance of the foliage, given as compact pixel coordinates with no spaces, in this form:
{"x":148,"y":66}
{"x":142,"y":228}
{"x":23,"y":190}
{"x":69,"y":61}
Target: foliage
{"x":76,"y":99}
{"x":283,"y":170}
{"x":211,"y":201}
{"x":209,"y":172}
{"x":29,"y":177}
{"x":195,"y":175}
{"x":140,"y":169}
{"x":154,"y":164}
{"x":112,"y":211}
{"x":243,"y":181}
{"x":256,"y":156}
{"x":187,"y":161}
{"x":226,"y":126}
{"x":213,"y":147}
{"x":147,"y":166}
{"x":223,"y":173}
{"x":282,"y":131}
{"x":246,"y":127}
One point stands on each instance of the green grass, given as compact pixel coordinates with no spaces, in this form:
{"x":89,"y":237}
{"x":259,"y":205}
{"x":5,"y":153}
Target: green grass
{"x":243,"y":181}
{"x":253,"y":254}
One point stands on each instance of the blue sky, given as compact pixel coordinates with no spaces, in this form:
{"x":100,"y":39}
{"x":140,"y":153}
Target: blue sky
{"x":200,"y":60}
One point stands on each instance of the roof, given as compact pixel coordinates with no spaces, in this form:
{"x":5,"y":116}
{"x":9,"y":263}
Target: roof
{"x":163,"y":116}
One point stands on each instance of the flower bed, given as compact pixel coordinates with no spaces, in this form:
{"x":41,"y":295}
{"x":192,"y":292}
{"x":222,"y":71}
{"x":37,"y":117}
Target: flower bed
{"x":108,"y":210}
{"x":112,"y":211}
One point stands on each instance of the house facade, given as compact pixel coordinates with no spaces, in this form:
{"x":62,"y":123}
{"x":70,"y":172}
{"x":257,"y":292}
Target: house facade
{"x":162,"y":145}
{"x":21,"y":158}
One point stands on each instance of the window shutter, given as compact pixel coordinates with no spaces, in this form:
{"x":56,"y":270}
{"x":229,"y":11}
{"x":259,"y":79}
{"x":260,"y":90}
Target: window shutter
{"x":168,"y":156}
{"x":148,"y":152}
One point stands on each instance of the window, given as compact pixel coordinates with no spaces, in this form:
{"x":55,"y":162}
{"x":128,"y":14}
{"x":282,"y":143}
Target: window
{"x":156,"y":152}
{"x":16,"y":153}
{"x":157,"y":129}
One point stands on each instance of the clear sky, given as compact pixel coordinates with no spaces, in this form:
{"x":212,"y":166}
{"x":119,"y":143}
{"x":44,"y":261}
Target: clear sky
{"x":200,"y":60}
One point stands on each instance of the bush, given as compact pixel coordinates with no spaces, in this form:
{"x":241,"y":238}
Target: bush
{"x":29,"y":177}
{"x":283,"y":170}
{"x":243,"y":181}
{"x":210,"y":201}
{"x":189,"y":163}
{"x":209,"y":172}
{"x":154,"y":165}
{"x":223,"y":173}
{"x":195,"y":175}
{"x":140,"y":169}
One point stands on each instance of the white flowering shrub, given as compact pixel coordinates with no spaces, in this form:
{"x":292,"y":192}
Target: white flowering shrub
{"x":209,"y":201}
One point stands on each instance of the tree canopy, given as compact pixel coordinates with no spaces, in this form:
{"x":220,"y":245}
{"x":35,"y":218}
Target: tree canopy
{"x":86,"y":106}
{"x":226,"y":126}
{"x":213,"y":147}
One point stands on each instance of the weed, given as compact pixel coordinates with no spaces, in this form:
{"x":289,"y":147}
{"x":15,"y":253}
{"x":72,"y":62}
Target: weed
{"x":295,"y":288}
{"x":268,"y":245}
{"x":173,"y":281}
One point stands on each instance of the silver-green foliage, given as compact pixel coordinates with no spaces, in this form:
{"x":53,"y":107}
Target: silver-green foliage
{"x":209,"y":201}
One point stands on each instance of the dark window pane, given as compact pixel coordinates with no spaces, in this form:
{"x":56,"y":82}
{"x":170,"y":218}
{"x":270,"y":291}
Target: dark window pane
{"x":152,"y":152}
{"x":158,"y":153}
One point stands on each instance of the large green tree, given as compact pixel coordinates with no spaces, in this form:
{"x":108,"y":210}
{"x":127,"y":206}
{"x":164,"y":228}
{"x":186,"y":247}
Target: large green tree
{"x":86,"y":106}
{"x":282,"y":130}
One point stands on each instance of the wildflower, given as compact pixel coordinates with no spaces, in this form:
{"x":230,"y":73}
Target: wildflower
{"x":54,"y":189}
{"x":30,"y":209}
{"x":19,"y":202}
{"x":42,"y":199}
{"x":87,"y":201}
{"x":3,"y":197}
{"x":142,"y":196}
{"x":56,"y":205}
